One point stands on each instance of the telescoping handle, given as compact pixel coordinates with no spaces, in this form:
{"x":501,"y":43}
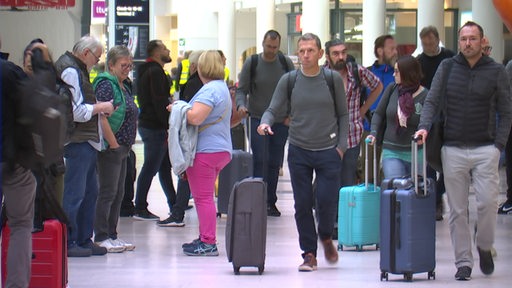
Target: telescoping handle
{"x":366,"y":143}
{"x":414,"y":166}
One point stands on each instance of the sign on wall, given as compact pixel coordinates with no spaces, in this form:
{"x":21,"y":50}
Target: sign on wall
{"x":132,"y":26}
{"x":37,"y":5}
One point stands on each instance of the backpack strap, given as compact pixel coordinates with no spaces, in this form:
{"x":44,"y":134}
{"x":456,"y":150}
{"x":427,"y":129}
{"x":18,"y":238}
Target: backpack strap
{"x":328,"y":76}
{"x":254,"y":63}
{"x":282,"y":59}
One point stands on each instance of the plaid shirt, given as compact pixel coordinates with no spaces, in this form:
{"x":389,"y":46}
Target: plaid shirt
{"x":355,"y":124}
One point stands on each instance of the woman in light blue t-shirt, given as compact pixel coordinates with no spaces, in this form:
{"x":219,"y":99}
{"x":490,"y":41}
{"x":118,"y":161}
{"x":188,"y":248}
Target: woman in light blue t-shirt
{"x":211,"y":111}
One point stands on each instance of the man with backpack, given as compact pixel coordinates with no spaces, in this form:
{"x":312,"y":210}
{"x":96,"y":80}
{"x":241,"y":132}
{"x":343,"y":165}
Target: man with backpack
{"x":314,"y":99}
{"x":336,"y":55}
{"x":258,"y":79}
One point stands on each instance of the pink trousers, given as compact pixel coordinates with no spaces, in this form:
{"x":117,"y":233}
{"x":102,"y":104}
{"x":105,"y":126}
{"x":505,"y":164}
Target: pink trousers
{"x":201,"y":178}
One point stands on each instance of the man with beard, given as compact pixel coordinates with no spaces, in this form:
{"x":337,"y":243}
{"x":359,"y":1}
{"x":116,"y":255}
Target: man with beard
{"x":478,"y":104}
{"x":153,"y":92}
{"x":430,"y":59}
{"x":336,"y":55}
{"x":386,"y":52}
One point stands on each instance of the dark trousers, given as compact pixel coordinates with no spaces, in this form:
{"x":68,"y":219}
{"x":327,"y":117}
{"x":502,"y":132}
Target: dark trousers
{"x":327,"y":165}
{"x":508,"y":161}
{"x":129,"y":183}
{"x":156,"y":159}
{"x":275,"y":148}
{"x":111,"y":175}
{"x":182,"y":197}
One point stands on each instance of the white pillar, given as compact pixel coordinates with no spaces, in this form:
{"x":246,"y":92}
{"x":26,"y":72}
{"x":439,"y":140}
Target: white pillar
{"x":315,"y":19}
{"x":431,"y":12}
{"x":265,"y":13}
{"x":374,"y":19}
{"x":226,"y":34}
{"x":485,"y":14}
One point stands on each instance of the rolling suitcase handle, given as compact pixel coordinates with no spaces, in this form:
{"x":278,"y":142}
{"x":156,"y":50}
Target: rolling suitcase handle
{"x":414,"y":166}
{"x":366,"y":143}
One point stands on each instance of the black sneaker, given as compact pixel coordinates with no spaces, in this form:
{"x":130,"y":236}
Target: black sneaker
{"x":171,"y":221}
{"x":486,"y":262}
{"x":96,"y":250}
{"x":77,"y":251}
{"x":272,"y":211}
{"x":505,"y":208}
{"x":145,"y":215}
{"x":463,"y":273}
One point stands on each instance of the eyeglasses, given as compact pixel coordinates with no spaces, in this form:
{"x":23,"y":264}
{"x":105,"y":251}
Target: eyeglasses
{"x":126,"y":66}
{"x":94,"y":55}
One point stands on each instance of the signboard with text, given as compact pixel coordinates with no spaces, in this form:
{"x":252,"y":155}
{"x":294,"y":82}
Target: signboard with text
{"x":132,"y":26}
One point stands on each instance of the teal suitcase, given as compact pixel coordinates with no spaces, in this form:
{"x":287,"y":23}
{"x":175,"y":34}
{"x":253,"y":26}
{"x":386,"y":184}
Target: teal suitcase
{"x":359,"y":212}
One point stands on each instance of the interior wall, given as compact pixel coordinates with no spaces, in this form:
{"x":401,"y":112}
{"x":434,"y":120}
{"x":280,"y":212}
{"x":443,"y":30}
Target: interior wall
{"x":59,"y":29}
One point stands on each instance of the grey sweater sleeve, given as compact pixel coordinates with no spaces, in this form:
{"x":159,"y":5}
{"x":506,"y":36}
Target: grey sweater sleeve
{"x":279,"y":103}
{"x":341,"y":111}
{"x":504,"y":108}
{"x":244,"y":84}
{"x":379,"y":116}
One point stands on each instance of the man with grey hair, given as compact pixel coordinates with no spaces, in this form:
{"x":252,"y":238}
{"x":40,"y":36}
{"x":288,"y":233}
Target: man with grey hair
{"x":81,"y":178}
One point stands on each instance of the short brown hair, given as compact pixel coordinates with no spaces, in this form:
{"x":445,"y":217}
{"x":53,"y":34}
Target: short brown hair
{"x":210,"y":65}
{"x":410,"y":70}
{"x":380,"y":42}
{"x":429,"y":30}
{"x":471,"y":23}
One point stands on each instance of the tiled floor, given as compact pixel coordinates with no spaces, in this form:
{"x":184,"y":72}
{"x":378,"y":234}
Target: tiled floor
{"x":158,"y":260}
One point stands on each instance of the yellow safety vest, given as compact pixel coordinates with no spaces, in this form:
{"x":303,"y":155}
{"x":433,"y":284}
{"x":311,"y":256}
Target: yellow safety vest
{"x":185,"y":64}
{"x":226,"y":74}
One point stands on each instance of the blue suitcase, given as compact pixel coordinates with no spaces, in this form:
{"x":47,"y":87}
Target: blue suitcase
{"x":358,"y":212}
{"x":408,"y":225}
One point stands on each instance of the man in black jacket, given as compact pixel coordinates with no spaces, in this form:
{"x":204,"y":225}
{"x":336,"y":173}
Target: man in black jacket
{"x":188,"y":90}
{"x":478,"y":118}
{"x":153,"y":94}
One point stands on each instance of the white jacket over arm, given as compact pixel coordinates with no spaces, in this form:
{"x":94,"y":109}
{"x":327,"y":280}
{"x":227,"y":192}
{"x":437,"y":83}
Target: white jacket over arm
{"x":182,"y":139}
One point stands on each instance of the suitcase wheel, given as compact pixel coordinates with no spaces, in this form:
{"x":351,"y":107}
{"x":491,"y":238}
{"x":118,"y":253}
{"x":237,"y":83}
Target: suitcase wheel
{"x":236,"y":270}
{"x":383,"y":275}
{"x":432,"y":275}
{"x":377,"y":247}
{"x":359,"y":248}
{"x":340,"y":247}
{"x":260,"y":269}
{"x":408,"y":277}
{"x":219,"y":215}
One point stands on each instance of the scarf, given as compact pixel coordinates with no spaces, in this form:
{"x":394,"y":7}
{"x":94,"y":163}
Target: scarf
{"x":405,"y":103}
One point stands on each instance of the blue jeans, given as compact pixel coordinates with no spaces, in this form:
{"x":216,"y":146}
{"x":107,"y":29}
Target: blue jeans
{"x":275,"y":148}
{"x":349,"y":166}
{"x":394,"y":168}
{"x":80,"y":191}
{"x":156,"y":159}
{"x":327,"y":165}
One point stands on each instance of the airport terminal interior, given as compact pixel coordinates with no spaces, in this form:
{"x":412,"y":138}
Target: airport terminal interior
{"x":158,"y":260}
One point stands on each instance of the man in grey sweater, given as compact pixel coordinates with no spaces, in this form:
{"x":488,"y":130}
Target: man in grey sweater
{"x":317,"y":109}
{"x":478,"y":116}
{"x":258,"y":79}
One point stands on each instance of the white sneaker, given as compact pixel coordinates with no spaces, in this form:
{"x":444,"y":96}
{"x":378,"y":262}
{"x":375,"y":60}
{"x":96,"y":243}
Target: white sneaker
{"x":112,"y":247}
{"x":127,"y":246}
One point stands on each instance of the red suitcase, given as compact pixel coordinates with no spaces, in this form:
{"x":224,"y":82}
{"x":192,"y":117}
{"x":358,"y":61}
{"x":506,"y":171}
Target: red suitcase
{"x":49,"y":255}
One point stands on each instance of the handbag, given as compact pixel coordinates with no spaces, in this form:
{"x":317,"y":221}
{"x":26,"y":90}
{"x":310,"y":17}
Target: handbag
{"x":435,"y":135}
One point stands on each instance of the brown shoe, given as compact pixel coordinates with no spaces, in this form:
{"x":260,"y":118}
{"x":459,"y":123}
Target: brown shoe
{"x":309,"y":263}
{"x":331,"y":254}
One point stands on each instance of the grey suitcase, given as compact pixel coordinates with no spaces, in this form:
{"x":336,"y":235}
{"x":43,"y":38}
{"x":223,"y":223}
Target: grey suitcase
{"x":408,"y":225}
{"x":246,"y":227}
{"x":239,"y":168}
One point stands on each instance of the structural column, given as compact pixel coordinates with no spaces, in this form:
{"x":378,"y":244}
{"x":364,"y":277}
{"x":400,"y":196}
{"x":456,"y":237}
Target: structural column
{"x":315,"y":18}
{"x":374,"y":20}
{"x":485,"y":14}
{"x":431,"y":12}
{"x":265,"y":20}
{"x":226,"y":34}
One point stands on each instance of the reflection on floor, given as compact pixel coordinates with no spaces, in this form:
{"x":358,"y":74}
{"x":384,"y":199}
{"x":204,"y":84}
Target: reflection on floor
{"x":158,"y":260}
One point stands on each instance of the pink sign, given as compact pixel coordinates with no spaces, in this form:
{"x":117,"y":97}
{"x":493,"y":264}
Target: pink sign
{"x":98,"y":9}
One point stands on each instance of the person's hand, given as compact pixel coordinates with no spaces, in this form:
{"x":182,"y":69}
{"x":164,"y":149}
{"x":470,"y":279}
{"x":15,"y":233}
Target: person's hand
{"x":370,"y":139}
{"x":340,"y":152}
{"x":264,"y":128}
{"x":421,"y":135}
{"x":169,"y":107}
{"x":243,"y":112}
{"x":107,"y":108}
